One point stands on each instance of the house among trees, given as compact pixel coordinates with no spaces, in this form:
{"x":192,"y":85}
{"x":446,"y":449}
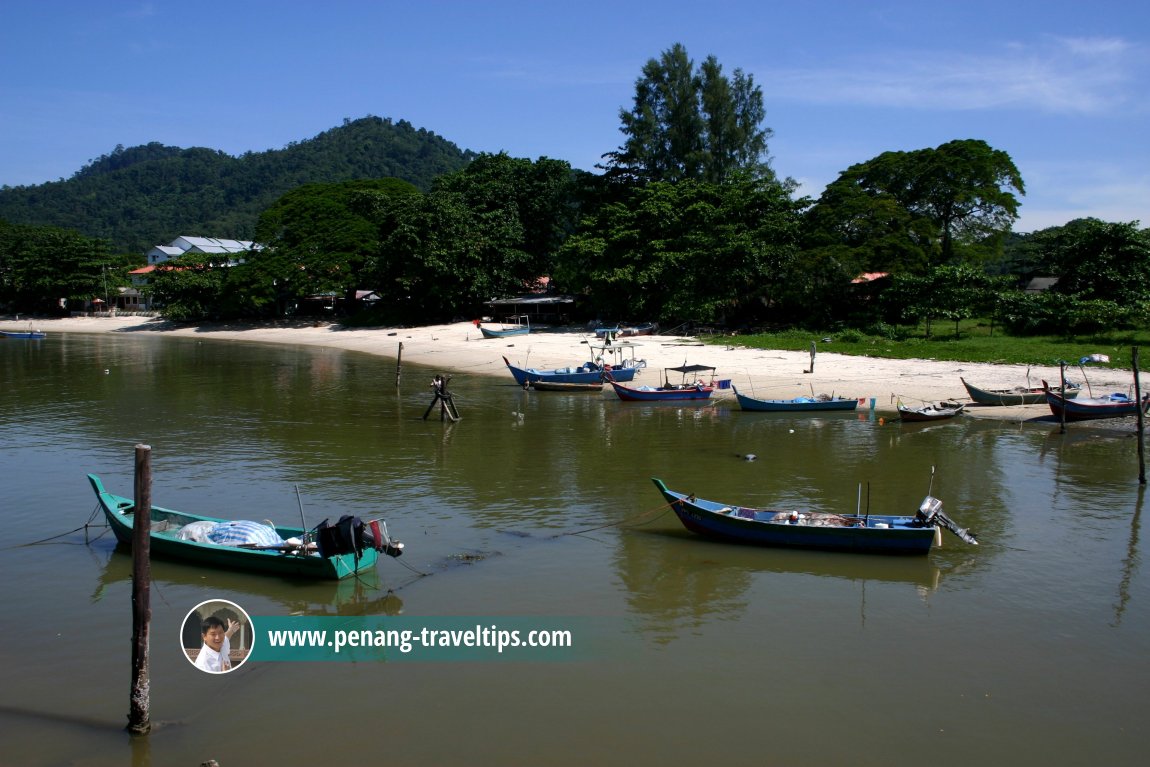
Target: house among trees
{"x":184,"y":245}
{"x":132,"y":299}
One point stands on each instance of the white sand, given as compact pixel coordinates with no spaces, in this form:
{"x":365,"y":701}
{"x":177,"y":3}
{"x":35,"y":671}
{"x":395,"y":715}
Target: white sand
{"x":458,"y":349}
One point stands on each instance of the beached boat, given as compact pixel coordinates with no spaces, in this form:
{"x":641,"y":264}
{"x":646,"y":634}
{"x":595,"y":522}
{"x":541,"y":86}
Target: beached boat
{"x":818,"y":404}
{"x":934,"y":411}
{"x":694,"y":389}
{"x":1020,"y":395}
{"x":859,"y":532}
{"x":514,"y":326}
{"x":327,"y":552}
{"x":1092,"y":408}
{"x":625,"y":331}
{"x":545,"y":385}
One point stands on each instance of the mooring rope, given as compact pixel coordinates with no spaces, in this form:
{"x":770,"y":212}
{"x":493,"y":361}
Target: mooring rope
{"x":663,"y":509}
{"x":84,"y":526}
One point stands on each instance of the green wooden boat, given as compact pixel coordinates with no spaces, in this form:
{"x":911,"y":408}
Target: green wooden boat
{"x":296,"y":555}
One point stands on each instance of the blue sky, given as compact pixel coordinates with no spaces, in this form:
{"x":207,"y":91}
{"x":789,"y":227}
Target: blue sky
{"x":1063,"y":87}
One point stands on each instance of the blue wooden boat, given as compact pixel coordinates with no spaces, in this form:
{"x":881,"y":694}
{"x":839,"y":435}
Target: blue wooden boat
{"x":796,"y":405}
{"x":587,"y":373}
{"x":1091,"y":408}
{"x":662,"y":393}
{"x":692,"y":387}
{"x":861,"y":533}
{"x":29,"y":334}
{"x":284,"y":551}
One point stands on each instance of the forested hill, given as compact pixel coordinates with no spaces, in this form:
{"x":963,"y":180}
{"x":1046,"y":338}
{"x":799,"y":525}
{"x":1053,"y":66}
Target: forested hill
{"x":148,"y":195}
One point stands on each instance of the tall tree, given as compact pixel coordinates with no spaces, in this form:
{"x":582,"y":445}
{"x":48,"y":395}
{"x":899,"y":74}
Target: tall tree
{"x":691,"y":251}
{"x":963,"y":191}
{"x":39,"y":265}
{"x":1096,"y":260}
{"x":691,"y":124}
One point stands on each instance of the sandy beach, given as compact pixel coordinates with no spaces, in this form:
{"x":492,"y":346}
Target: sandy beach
{"x":459,"y":350}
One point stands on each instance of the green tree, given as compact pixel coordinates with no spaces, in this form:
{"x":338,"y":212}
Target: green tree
{"x":691,"y":124}
{"x":1095,"y":260}
{"x":438,"y":257}
{"x":539,"y":194}
{"x":928,"y":206}
{"x":40,"y":265}
{"x":691,"y":251}
{"x":315,"y":239}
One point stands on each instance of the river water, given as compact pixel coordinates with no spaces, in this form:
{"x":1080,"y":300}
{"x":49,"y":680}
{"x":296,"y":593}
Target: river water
{"x":1030,"y":649}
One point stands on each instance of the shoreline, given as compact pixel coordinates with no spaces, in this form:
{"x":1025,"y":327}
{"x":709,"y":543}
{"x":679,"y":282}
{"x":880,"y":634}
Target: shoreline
{"x":459,"y":349}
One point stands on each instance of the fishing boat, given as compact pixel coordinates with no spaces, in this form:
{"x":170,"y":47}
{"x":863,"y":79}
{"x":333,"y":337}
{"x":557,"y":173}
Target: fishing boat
{"x":28,"y":334}
{"x":695,"y":389}
{"x":624,"y":331}
{"x":590,"y":372}
{"x":1020,"y":395}
{"x":545,"y":385}
{"x":934,"y":411}
{"x":860,"y":532}
{"x":514,"y":326}
{"x":820,"y":403}
{"x":326,"y":552}
{"x":1091,"y":408}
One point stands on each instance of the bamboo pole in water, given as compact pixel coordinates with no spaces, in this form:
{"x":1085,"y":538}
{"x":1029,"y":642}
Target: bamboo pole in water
{"x":1141,"y":417}
{"x":139,"y":714}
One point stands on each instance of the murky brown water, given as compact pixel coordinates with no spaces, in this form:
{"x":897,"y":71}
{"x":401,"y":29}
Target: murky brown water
{"x":1029,"y":649}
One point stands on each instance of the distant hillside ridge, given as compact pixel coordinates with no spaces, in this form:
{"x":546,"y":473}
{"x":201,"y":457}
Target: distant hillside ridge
{"x":144,"y":195}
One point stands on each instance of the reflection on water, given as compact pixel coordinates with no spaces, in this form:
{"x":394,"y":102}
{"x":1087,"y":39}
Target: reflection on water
{"x":541,"y":504}
{"x":364,"y":594}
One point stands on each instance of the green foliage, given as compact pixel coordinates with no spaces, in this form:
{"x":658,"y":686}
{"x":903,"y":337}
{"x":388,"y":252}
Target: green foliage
{"x":975,"y":344}
{"x":191,"y":288}
{"x":41,"y":265}
{"x":690,"y":251}
{"x":142,"y":196}
{"x":909,"y":210}
{"x":952,"y":293}
{"x":1057,"y":313}
{"x":316,"y":239}
{"x":1097,"y":260}
{"x":688,"y":124}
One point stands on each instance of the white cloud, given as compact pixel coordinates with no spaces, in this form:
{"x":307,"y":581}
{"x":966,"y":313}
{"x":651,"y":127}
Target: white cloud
{"x":1058,"y":75}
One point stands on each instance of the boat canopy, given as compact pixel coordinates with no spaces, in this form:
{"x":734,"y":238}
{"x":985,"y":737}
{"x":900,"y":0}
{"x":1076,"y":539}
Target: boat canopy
{"x":687,"y":369}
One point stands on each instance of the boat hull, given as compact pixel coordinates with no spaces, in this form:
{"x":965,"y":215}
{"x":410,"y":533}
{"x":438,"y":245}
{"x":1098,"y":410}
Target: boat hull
{"x":1006,"y":397}
{"x":631,"y":394}
{"x":507,"y":333}
{"x":930,"y":413}
{"x":587,"y":373}
{"x":1092,"y":408}
{"x":865,"y":535}
{"x":164,"y":543}
{"x":32,"y":335}
{"x":802,"y":405}
{"x":544,"y":385}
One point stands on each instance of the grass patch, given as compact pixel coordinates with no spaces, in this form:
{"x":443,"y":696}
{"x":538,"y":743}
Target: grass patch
{"x":974,"y":343}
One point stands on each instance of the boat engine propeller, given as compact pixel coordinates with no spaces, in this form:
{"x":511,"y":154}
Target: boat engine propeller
{"x":930,"y":513}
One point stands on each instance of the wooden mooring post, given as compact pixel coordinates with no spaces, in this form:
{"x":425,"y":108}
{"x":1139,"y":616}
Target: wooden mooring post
{"x":399,"y":365}
{"x":139,"y":714}
{"x":443,"y":397}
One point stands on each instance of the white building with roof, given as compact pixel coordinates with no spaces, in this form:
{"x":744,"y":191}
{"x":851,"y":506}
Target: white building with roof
{"x":184,"y":245}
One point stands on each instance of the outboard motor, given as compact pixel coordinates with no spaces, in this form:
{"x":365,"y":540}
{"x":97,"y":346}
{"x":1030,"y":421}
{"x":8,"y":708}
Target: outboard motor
{"x":930,"y":513}
{"x":378,"y":539}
